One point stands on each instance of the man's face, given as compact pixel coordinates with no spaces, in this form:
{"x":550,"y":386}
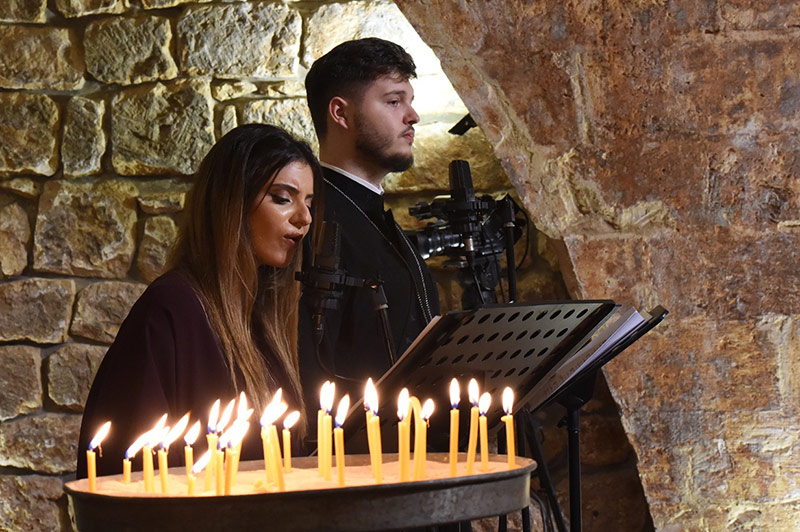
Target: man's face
{"x":384,"y":123}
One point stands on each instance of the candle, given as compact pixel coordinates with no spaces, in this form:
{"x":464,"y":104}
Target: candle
{"x":171,"y":436}
{"x":211,"y":438}
{"x":269,"y":439}
{"x":196,"y":469}
{"x":403,"y":434}
{"x":508,"y":419}
{"x":323,"y":394}
{"x":155,"y":436}
{"x":421,"y":440}
{"x":219,"y":464}
{"x":288,"y":423}
{"x":485,"y":403}
{"x":189,"y":440}
{"x":129,"y":454}
{"x":242,"y":417}
{"x":455,"y":398}
{"x":327,"y":421}
{"x":230,"y":443}
{"x":472,"y":445}
{"x":91,"y":465}
{"x":374,"y":431}
{"x":338,"y":436}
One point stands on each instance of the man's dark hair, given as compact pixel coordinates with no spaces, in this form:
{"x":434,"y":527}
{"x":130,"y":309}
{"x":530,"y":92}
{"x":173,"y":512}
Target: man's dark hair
{"x":348,"y":69}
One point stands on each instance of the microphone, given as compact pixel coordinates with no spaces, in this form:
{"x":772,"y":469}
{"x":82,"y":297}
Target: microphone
{"x":325,"y":280}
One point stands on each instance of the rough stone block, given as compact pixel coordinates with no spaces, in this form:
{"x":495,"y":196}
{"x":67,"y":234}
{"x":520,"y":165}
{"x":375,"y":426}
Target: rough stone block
{"x":746,"y":15}
{"x":162,"y":129}
{"x":229,"y":120}
{"x":145,"y":56}
{"x":434,"y":148}
{"x":159,"y":4}
{"x":22,"y":186}
{"x":15,"y":239}
{"x":36,"y":310}
{"x":70,"y":373}
{"x":232,"y":90}
{"x":29,"y":129}
{"x":332,"y":24}
{"x":45,"y":444}
{"x":23,"y":11}
{"x":160,"y":235}
{"x":30,"y":503}
{"x":162,"y":202}
{"x":86,"y":228}
{"x":242,"y":40}
{"x":101,"y":308}
{"x":291,"y":88}
{"x":84,"y":139}
{"x":81,"y":8}
{"x":290,"y":114}
{"x":39,"y":58}
{"x":20,"y":380}
{"x":758,"y":279}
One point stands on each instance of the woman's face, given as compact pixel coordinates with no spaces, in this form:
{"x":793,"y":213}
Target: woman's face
{"x":281,"y":215}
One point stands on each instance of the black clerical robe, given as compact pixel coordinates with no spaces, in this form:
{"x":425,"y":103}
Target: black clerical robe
{"x":165,"y":359}
{"x":373,"y":247}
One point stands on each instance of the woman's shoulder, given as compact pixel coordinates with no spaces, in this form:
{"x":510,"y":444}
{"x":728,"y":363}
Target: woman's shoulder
{"x":173,"y":291}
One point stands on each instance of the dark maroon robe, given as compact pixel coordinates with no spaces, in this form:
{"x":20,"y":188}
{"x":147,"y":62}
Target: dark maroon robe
{"x":165,"y":359}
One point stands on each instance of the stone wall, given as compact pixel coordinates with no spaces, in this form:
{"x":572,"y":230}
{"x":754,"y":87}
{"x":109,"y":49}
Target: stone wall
{"x":106,"y":108}
{"x":657,"y":140}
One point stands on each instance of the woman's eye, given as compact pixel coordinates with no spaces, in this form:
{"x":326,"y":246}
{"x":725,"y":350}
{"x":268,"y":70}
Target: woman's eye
{"x":280,"y":200}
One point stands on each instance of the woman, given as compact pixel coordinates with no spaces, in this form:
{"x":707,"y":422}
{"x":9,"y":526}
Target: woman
{"x":224,"y":318}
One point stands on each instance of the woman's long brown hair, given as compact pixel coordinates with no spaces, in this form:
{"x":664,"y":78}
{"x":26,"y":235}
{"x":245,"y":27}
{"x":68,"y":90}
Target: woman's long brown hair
{"x":252,"y":309}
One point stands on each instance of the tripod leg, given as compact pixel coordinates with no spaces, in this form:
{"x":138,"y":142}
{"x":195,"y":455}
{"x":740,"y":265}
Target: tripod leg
{"x":574,"y":445}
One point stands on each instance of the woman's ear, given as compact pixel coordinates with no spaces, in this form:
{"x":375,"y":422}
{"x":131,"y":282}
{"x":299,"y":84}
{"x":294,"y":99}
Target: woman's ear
{"x":339,"y":112}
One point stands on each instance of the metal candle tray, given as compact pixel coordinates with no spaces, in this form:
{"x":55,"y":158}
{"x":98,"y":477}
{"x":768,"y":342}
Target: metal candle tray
{"x":388,"y":506}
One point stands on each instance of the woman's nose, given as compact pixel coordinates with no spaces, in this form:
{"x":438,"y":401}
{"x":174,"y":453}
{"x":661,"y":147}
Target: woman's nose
{"x":302,"y":216}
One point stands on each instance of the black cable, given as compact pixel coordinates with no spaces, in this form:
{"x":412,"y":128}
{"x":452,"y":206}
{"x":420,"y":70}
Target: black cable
{"x":329,"y":371}
{"x":527,"y":237}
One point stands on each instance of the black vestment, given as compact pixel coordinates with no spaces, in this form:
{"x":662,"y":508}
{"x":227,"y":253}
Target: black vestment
{"x":165,"y":359}
{"x":373,"y":247}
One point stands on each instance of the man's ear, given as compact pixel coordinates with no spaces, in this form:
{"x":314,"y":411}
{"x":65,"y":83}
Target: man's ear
{"x":339,"y":111}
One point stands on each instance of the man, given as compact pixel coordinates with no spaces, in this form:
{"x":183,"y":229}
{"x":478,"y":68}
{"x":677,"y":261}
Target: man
{"x":360,"y":100}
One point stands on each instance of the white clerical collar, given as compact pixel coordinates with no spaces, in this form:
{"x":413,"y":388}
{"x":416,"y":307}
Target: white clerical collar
{"x":377,"y":189}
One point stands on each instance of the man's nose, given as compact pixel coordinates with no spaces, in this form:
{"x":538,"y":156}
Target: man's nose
{"x":411,"y":117}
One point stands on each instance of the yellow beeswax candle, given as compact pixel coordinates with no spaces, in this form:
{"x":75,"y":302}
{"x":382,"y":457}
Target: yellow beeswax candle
{"x":126,"y":471}
{"x":162,"y":470}
{"x":219,"y":458}
{"x":421,"y":440}
{"x":455,"y":398}
{"x":338,"y":436}
{"x":472,"y":444}
{"x":191,"y":476}
{"x":485,"y":403}
{"x":91,"y":470}
{"x":508,"y":419}
{"x":230,"y":452}
{"x":189,"y":439}
{"x":326,"y":396}
{"x":129,"y":454}
{"x":327,"y":422}
{"x":211,"y":474}
{"x":374,"y":431}
{"x":275,"y":446}
{"x":267,"y":455}
{"x":288,"y":423}
{"x":147,"y":469}
{"x":404,"y":434}
{"x":190,"y":482}
{"x":320,"y":441}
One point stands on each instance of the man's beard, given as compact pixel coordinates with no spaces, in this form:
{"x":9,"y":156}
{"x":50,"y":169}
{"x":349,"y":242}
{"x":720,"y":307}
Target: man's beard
{"x":373,"y":146}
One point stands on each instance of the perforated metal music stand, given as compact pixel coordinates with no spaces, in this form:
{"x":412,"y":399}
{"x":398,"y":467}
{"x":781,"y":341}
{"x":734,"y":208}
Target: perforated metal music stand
{"x":499,"y":345}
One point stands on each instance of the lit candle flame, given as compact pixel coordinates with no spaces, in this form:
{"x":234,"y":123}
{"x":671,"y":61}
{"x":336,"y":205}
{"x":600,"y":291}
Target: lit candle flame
{"x":274,"y":409}
{"x":322,"y":394}
{"x":175,"y":432}
{"x":402,"y":404}
{"x":192,"y":435}
{"x":98,"y":438}
{"x":455,"y":393}
{"x":242,"y":406}
{"x":291,"y":419}
{"x":213,"y":416}
{"x":201,"y":463}
{"x":138,"y":444}
{"x":326,"y":399}
{"x":225,"y":417}
{"x":427,"y":410}
{"x":472,"y":389}
{"x":156,"y":436}
{"x":371,"y":397}
{"x":234,"y":434}
{"x":341,"y":412}
{"x":485,"y":403}
{"x":508,"y":400}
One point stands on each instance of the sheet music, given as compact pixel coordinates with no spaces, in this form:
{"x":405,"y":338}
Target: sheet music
{"x":627,"y":320}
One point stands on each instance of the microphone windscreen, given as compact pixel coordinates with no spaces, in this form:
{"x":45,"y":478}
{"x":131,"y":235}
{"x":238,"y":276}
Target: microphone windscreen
{"x":460,"y":180}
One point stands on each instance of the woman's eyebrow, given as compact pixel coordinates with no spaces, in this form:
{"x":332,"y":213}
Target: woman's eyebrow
{"x":292,"y":189}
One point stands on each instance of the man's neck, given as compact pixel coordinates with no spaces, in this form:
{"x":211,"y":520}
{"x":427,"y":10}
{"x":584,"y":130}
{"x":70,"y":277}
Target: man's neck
{"x":352,"y":164}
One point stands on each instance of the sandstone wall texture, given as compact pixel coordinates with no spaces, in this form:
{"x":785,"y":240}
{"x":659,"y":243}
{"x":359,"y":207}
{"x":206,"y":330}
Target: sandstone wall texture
{"x":106,"y":109}
{"x":658,"y":141}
